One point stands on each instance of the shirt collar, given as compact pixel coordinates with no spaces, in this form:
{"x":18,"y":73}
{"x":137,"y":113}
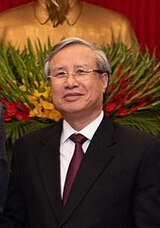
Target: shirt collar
{"x":42,"y":14}
{"x":88,"y":131}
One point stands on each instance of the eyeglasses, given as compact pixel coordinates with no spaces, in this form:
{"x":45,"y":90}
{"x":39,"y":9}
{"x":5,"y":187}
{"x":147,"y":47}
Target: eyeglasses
{"x":78,"y":74}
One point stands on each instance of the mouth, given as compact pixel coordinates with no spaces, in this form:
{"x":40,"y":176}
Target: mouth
{"x":72,"y":96}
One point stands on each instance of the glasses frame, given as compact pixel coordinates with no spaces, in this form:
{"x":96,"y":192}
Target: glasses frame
{"x":74,"y":73}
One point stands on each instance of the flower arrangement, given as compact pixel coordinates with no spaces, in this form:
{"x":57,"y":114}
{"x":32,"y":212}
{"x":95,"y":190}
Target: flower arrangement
{"x":133,"y":93}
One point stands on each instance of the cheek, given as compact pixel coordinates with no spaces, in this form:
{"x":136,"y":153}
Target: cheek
{"x":56,"y":93}
{"x":96,"y":88}
{"x":56,"y":88}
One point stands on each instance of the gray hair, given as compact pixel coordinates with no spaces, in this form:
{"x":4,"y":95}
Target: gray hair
{"x":101,"y":59}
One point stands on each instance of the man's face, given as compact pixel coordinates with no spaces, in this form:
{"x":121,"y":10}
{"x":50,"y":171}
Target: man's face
{"x":77,"y":95}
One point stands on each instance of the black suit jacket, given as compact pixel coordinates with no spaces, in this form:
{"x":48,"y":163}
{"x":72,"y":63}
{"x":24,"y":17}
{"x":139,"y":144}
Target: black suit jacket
{"x":117,"y":186}
{"x":4,"y":174}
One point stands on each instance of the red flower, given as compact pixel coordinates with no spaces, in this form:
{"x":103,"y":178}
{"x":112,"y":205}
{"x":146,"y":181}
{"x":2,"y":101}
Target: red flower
{"x":123,"y":83}
{"x":123,"y":112}
{"x":22,"y":112}
{"x":120,"y":70}
{"x":111,"y":87}
{"x":4,"y":101}
{"x":120,"y":95}
{"x":134,"y":109}
{"x":121,"y":102}
{"x":131,"y":94}
{"x":15,"y":110}
{"x":110,"y":106}
{"x":6,"y":116}
{"x":142,"y":104}
{"x":11,"y":109}
{"x":139,"y":100}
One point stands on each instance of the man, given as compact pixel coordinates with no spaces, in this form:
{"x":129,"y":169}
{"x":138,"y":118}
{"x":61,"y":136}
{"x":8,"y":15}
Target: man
{"x":3,"y":164}
{"x":118,"y":180}
{"x":56,"y":19}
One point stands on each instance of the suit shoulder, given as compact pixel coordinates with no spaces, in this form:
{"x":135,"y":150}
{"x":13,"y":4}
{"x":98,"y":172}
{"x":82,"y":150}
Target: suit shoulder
{"x":135,"y":135}
{"x":41,"y":133}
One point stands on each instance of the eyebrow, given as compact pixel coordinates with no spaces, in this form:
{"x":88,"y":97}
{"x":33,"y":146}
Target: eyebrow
{"x":82,"y":65}
{"x":65,"y":67}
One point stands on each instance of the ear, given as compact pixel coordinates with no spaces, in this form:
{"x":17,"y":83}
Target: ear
{"x":104,"y":78}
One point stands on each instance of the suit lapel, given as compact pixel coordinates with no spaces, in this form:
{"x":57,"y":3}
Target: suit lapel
{"x":49,"y":168}
{"x":99,"y":154}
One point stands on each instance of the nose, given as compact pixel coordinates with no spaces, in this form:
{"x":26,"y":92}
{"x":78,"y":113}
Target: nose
{"x":71,"y":81}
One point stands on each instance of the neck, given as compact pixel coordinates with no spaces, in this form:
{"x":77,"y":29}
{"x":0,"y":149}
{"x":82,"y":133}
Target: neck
{"x":57,"y":11}
{"x":78,"y":123}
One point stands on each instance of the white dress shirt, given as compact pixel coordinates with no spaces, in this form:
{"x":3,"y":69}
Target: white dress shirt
{"x":67,"y":145}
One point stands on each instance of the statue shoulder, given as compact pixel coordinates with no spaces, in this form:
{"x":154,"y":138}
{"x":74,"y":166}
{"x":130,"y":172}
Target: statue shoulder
{"x":112,"y":25}
{"x":104,"y":14}
{"x":11,"y":16}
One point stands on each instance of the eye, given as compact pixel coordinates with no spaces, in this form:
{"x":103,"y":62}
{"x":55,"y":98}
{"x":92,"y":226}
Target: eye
{"x":61,"y":74}
{"x":80,"y":72}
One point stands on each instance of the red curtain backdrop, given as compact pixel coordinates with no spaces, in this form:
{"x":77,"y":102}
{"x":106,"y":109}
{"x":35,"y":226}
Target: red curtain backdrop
{"x":143,"y":14}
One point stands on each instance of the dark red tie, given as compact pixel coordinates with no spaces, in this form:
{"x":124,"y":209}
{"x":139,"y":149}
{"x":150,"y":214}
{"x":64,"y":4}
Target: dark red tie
{"x":74,"y":165}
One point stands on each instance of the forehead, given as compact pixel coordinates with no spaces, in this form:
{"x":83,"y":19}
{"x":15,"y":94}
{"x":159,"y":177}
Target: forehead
{"x":76,"y":53}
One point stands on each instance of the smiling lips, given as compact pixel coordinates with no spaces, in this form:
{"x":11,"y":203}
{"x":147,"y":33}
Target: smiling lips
{"x":72,"y":96}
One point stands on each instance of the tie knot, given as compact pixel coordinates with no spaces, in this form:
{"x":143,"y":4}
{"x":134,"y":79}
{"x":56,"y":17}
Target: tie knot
{"x":78,"y":138}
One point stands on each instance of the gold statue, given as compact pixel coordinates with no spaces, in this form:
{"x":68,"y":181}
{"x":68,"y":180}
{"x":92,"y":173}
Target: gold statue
{"x":57,"y":19}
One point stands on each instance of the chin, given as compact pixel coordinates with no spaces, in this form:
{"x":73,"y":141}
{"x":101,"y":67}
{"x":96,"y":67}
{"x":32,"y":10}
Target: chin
{"x":72,"y":111}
